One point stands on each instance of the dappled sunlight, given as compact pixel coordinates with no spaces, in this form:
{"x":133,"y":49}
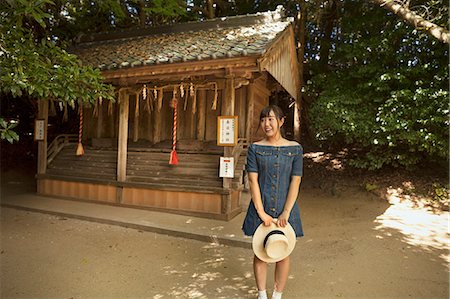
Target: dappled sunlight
{"x":267,"y":30}
{"x":206,"y":276}
{"x":332,"y":161}
{"x":169,"y":271}
{"x":217,"y":228}
{"x":420,"y":227}
{"x":213,"y":273}
{"x":214,"y":263}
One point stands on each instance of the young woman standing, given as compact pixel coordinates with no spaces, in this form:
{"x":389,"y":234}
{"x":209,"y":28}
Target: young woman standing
{"x":274,"y":167}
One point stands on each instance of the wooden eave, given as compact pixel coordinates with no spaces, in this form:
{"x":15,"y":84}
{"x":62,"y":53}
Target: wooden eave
{"x":239,"y":66}
{"x":280,"y":60}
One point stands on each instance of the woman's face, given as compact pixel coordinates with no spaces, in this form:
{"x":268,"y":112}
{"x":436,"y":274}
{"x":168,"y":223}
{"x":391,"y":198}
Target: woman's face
{"x":271,"y":125}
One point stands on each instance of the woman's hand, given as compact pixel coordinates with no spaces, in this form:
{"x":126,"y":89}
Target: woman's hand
{"x":283,"y":219}
{"x":266,"y":219}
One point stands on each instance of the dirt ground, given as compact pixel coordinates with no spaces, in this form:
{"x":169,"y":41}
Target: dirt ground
{"x":355,"y":247}
{"x":357,"y":244}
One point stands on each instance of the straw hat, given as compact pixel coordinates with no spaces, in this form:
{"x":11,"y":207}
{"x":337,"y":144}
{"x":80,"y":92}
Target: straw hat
{"x":272,"y":243}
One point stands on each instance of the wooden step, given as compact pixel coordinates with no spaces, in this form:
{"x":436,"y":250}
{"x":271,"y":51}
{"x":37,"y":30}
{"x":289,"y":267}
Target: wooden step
{"x":189,"y":172}
{"x":176,"y":181}
{"x":81,"y":175}
{"x":165,"y":165}
{"x":71,"y":163}
{"x":194,"y":171}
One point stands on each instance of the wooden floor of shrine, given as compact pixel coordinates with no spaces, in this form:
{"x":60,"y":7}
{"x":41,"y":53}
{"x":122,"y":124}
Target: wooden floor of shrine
{"x":192,"y":187}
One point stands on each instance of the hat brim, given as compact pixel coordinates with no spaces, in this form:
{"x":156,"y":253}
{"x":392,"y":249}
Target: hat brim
{"x":261,"y":233}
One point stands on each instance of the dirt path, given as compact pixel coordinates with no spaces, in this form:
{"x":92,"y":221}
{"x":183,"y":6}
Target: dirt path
{"x":356,"y":246}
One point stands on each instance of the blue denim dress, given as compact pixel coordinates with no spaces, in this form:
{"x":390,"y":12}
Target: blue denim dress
{"x":275,"y":166}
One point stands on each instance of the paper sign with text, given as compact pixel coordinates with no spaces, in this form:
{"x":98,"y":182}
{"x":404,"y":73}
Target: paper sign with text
{"x":226,"y":167}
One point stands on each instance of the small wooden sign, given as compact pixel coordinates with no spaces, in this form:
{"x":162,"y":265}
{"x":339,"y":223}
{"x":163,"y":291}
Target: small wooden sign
{"x":226,"y":169}
{"x":227,"y":130}
{"x":39,"y":129}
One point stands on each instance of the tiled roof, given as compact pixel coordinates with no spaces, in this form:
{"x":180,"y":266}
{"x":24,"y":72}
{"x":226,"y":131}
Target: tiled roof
{"x":228,"y":37}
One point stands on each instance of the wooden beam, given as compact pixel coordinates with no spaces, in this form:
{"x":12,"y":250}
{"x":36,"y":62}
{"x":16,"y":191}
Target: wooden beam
{"x":250,"y":113}
{"x":156,"y":124}
{"x":297,"y":129}
{"x":99,"y":120}
{"x":113,"y":126}
{"x":123,"y":136}
{"x":149,"y":120}
{"x":228,"y":101}
{"x":42,"y":145}
{"x":194,"y":67}
{"x":229,"y":96}
{"x":192,"y":121}
{"x":242,"y":100}
{"x":136,"y":119}
{"x":201,"y":114}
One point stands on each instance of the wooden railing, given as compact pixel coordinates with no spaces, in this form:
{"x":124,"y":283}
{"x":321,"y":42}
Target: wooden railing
{"x":237,"y":150}
{"x":58,"y":143}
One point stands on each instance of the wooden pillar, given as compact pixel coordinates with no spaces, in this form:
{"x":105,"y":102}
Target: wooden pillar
{"x":150,"y":124}
{"x":296,"y":121}
{"x":123,"y":136}
{"x":228,"y":102}
{"x":136,"y":119}
{"x":112,"y":120}
{"x":250,"y":112}
{"x":192,"y":122}
{"x":156,"y":125}
{"x":229,"y":96}
{"x":242,"y":100}
{"x":99,"y":120}
{"x":201,"y":114}
{"x":42,"y":145}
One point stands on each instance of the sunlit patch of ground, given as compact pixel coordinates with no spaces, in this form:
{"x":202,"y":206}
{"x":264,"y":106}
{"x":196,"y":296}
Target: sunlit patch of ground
{"x":419,"y":225}
{"x":332,"y":161}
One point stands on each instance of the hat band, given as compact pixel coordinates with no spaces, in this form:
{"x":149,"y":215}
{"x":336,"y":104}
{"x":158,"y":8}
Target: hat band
{"x":274,"y":232}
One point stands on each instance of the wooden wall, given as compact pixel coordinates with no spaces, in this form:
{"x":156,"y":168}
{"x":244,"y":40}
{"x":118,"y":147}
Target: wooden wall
{"x":202,"y":204}
{"x":261,"y":100}
{"x":105,"y":125}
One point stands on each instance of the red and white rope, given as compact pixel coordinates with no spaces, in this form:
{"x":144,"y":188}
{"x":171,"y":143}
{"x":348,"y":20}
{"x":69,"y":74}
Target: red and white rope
{"x":174,"y":141}
{"x":80,"y":130}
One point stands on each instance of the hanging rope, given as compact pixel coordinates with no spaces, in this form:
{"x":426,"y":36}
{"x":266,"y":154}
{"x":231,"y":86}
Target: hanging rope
{"x":192,"y":93}
{"x":173,"y":154}
{"x":216,"y":96}
{"x":80,"y":150}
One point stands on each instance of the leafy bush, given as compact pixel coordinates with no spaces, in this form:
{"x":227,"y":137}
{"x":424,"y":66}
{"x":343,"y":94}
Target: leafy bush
{"x":386,"y":95}
{"x":6,"y":131}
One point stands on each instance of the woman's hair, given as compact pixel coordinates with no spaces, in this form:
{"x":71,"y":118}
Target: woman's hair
{"x":279,"y":114}
{"x":276,"y":110}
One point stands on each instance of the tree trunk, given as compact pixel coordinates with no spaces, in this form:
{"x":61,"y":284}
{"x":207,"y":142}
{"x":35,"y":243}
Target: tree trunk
{"x":210,"y":9}
{"x":414,"y":19}
{"x":142,"y":16}
{"x":301,"y":34}
{"x":328,"y":16}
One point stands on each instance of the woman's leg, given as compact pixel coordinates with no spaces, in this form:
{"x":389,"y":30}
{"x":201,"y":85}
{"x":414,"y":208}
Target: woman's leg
{"x":281,"y":274}
{"x":260,"y":270}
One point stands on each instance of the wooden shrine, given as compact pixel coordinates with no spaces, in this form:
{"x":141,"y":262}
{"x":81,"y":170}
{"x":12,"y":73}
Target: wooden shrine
{"x":216,"y":68}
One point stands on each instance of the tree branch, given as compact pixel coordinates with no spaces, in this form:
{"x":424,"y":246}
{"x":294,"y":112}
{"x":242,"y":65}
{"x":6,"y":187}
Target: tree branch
{"x":414,"y":19}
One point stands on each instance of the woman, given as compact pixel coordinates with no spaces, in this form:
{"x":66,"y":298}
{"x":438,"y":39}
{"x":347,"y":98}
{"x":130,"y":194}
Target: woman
{"x":274,"y":167}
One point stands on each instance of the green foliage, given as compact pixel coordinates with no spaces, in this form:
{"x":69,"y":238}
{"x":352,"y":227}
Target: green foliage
{"x":370,"y":187}
{"x":441,"y":194}
{"x":6,"y":131}
{"x":39,"y":67}
{"x":74,"y":17}
{"x":46,"y":71}
{"x":166,"y":8}
{"x":385,"y":93}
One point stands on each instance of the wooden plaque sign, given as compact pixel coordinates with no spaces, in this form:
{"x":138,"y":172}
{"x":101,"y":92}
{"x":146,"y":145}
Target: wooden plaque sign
{"x":39,"y":129}
{"x":227,"y":130}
